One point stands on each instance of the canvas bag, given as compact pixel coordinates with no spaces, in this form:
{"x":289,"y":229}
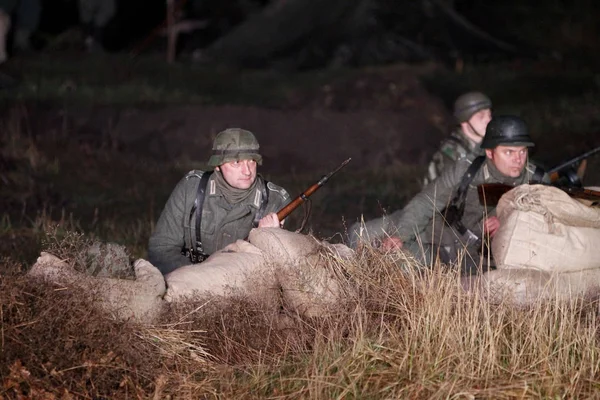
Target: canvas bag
{"x":238,"y":268}
{"x":140,"y":299}
{"x":525,"y":287}
{"x":542,"y":227}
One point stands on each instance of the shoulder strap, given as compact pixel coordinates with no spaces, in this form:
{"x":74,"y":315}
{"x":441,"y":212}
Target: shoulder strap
{"x":264,"y":199}
{"x":461,"y":193}
{"x":197,"y":208}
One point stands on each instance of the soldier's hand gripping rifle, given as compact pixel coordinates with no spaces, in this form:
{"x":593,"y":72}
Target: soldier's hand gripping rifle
{"x":490,"y":193}
{"x":287,"y":210}
{"x":566,"y":174}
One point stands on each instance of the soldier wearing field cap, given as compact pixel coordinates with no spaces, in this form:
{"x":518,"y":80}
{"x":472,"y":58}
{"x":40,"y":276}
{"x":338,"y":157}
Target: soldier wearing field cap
{"x":209,"y":210}
{"x":473,"y":111}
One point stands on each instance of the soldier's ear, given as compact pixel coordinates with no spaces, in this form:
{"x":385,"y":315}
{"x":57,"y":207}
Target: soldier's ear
{"x":217,"y":169}
{"x":489,"y":154}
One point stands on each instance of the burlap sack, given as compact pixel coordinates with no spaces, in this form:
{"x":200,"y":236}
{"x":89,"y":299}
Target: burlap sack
{"x":516,"y":286}
{"x":310,"y":273}
{"x":544,"y":228}
{"x":139,"y":299}
{"x":239,"y":268}
{"x":525,"y":287}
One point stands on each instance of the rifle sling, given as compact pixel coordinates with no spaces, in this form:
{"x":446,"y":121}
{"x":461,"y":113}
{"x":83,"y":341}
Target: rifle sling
{"x":198,"y":204}
{"x":461,"y":193}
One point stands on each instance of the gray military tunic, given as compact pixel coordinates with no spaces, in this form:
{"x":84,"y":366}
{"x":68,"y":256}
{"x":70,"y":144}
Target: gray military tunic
{"x":222,"y":223}
{"x":455,"y":147}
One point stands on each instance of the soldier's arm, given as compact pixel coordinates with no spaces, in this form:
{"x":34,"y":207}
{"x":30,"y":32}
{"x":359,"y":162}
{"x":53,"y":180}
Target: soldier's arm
{"x":448,"y":154}
{"x":164,"y":247}
{"x":412,"y":219}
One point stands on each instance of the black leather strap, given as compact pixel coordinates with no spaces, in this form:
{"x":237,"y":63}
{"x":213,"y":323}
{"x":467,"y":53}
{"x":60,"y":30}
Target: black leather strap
{"x":197,"y":208}
{"x":455,"y":210}
{"x":461,"y":193}
{"x":264,"y":199}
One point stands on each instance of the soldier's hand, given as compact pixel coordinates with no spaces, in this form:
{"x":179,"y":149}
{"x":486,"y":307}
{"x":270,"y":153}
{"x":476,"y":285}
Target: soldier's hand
{"x":491,"y":225}
{"x":391,"y":243}
{"x":269,"y":221}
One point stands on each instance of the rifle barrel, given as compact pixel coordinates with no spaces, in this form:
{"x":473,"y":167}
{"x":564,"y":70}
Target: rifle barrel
{"x":574,"y":160}
{"x":490,"y":193}
{"x":287,"y":210}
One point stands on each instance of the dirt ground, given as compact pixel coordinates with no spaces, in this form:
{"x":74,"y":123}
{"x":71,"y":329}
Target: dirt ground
{"x":377,"y":121}
{"x":111,"y":167}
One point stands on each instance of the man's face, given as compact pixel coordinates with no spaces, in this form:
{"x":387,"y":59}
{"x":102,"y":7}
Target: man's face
{"x":475,"y":128}
{"x":239,"y":174}
{"x":509,"y":160}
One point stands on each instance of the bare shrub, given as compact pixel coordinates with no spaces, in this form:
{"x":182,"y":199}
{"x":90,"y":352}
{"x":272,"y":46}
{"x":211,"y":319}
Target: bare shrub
{"x":64,"y":341}
{"x":66,"y":244}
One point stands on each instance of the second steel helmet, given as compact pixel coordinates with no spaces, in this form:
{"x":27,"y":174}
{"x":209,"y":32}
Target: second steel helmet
{"x":469,"y":103}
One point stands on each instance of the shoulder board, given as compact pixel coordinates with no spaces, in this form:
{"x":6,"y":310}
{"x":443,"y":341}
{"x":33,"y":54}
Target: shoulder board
{"x":531,"y":167}
{"x":275,"y":188}
{"x":195,"y":173}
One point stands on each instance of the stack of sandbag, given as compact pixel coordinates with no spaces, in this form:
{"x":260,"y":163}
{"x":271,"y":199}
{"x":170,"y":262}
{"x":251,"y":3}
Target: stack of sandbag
{"x":275,"y":265}
{"x":139,"y":299}
{"x":546,"y":247}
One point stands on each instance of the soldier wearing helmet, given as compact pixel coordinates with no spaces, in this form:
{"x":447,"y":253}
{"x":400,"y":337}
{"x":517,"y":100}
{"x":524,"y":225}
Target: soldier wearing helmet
{"x":426,"y":228}
{"x":472,"y":111}
{"x":209,"y":210}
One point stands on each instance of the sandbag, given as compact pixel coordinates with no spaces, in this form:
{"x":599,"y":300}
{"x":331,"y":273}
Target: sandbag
{"x":239,"y":268}
{"x":310,"y":273}
{"x":516,"y":286}
{"x":525,"y":287}
{"x":541,"y":227}
{"x":139,"y":299}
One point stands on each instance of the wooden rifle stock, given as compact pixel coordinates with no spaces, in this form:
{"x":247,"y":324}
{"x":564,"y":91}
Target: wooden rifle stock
{"x":490,"y":193}
{"x":287,"y":210}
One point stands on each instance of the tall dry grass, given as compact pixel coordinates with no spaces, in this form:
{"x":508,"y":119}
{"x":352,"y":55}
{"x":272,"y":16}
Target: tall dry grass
{"x":404,"y":333}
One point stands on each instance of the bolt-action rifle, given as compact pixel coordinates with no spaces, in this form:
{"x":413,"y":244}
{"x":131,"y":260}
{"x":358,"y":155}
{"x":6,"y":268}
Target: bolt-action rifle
{"x":287,"y":210}
{"x":566,"y":170}
{"x":490,"y":193}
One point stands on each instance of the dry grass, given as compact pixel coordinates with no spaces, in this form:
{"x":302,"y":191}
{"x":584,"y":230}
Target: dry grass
{"x":402,"y":335}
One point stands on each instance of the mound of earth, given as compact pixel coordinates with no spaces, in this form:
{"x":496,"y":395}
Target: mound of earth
{"x":377,"y":118}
